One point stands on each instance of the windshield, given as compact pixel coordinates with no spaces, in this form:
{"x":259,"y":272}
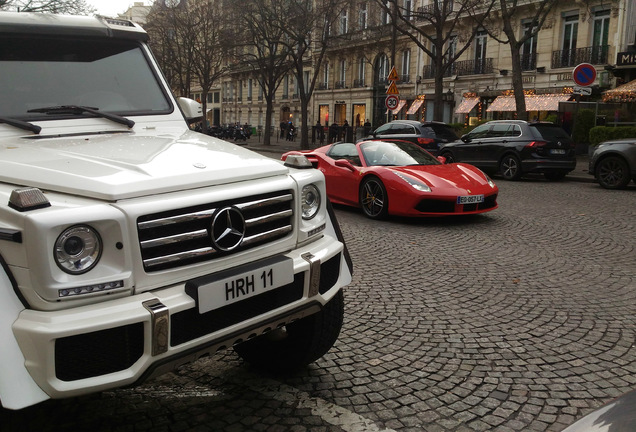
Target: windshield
{"x":395,"y":154}
{"x":106,"y":74}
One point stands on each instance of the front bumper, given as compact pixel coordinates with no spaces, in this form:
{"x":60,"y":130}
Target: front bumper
{"x":118,"y":343}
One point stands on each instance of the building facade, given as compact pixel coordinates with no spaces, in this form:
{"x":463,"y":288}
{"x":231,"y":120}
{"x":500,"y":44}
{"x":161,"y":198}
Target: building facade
{"x":353,"y":79}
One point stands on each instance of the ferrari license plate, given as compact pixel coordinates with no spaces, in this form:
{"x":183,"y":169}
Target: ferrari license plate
{"x":470,"y":199}
{"x":231,"y":286}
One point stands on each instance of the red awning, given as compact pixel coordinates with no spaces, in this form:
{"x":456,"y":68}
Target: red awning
{"x":547,"y":102}
{"x":415,"y":106}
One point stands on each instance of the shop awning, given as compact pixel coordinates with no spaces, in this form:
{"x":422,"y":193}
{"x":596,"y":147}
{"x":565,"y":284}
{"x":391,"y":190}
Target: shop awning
{"x":622,"y":93}
{"x":467,"y":105}
{"x":547,"y":102}
{"x":415,"y":106}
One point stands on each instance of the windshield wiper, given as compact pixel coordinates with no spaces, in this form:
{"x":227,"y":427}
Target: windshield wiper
{"x":21,"y":124}
{"x":78,"y":109}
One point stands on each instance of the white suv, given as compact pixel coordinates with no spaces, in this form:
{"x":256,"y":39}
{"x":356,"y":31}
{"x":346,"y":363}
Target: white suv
{"x":130,"y":244}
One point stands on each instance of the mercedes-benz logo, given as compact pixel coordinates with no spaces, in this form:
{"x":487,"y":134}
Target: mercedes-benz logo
{"x":559,"y":143}
{"x":228,"y":229}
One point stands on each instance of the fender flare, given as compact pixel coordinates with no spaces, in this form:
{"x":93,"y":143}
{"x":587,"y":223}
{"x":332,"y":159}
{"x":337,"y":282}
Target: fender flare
{"x":17,"y":388}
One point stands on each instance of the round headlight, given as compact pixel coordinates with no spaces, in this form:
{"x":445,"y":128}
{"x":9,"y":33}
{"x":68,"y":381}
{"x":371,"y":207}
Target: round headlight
{"x":310,"y":201}
{"x":78,"y":249}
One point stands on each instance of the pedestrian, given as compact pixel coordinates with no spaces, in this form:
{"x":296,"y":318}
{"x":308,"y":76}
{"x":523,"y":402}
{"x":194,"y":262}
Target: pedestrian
{"x":367,"y":128}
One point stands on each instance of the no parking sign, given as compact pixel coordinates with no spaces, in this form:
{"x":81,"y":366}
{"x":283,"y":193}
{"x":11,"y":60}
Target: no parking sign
{"x":584,"y":74}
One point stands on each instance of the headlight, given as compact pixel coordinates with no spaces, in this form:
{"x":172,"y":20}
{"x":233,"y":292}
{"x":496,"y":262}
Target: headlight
{"x":416,"y":184}
{"x":78,"y":249}
{"x":310,"y":201}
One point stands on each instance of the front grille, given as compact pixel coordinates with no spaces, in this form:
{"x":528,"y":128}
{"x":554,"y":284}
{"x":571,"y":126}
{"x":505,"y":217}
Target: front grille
{"x":98,"y":353}
{"x":190,"y":324}
{"x":181,"y":237}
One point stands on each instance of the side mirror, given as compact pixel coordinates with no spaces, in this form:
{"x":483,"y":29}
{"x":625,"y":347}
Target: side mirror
{"x":465,"y":138}
{"x":192,"y":110}
{"x":442,"y":159}
{"x":343,"y":163}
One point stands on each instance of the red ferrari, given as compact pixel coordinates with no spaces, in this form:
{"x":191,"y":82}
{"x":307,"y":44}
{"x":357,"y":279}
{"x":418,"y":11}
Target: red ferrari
{"x":401,"y":179}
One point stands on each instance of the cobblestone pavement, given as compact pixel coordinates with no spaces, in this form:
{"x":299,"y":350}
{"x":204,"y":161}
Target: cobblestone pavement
{"x":522,"y":319}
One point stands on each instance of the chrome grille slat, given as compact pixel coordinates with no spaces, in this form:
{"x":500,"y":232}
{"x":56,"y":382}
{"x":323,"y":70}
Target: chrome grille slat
{"x":264,"y":219}
{"x":176,"y":219}
{"x":178,"y":257}
{"x":178,"y":237}
{"x":267,"y":235}
{"x":174,"y":239}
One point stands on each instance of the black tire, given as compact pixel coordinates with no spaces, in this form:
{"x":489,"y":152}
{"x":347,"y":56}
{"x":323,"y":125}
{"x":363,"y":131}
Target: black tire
{"x":510,"y":167}
{"x":373,"y":198}
{"x":297,"y":344}
{"x":612,"y":172}
{"x":555,"y":175}
{"x":449,"y":157}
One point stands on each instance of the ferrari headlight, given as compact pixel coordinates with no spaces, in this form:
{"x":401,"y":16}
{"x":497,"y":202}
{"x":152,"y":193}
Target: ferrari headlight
{"x":310,"y":201}
{"x":78,"y":249}
{"x":416,"y":184}
{"x":489,"y":180}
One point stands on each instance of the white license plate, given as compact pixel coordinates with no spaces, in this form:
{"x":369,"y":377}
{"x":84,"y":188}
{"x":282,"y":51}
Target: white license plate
{"x":557,"y":151}
{"x":470,"y":199}
{"x":224,"y":288}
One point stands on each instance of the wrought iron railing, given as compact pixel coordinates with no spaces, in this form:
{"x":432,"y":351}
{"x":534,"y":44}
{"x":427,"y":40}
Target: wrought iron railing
{"x":572,"y":57}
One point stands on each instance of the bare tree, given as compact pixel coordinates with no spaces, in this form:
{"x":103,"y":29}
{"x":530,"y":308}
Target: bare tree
{"x":443,"y":30}
{"x":259,"y":49}
{"x":70,"y":7}
{"x":308,"y":33}
{"x":508,"y":18}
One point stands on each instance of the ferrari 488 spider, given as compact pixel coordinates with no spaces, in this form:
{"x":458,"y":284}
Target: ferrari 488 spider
{"x":401,"y":179}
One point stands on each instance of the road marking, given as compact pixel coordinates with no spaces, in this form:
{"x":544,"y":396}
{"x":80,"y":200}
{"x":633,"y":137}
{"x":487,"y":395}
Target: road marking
{"x":327,"y":411}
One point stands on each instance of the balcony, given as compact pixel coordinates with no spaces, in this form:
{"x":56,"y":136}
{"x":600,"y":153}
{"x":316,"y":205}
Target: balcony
{"x":403,"y":79}
{"x":430,"y":10}
{"x":285,"y":96}
{"x":528,"y":61}
{"x":323,"y":86}
{"x":359,"y":83}
{"x":464,"y":67}
{"x":572,"y":57}
{"x":340,"y":84}
{"x":295,"y":96}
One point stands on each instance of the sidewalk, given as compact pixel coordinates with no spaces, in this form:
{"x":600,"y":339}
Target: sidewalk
{"x":278,"y":146}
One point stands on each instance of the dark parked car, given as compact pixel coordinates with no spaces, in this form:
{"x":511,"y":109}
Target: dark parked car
{"x":613,"y":163}
{"x":514,"y":148}
{"x":428,"y":135}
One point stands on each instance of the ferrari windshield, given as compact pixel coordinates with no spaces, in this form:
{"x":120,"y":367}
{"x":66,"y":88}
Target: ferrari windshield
{"x":395,"y":154}
{"x":104,"y":74}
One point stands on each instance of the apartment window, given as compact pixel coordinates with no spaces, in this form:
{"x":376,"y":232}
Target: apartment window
{"x":568,"y":47}
{"x":342,"y":78}
{"x":382,"y":69}
{"x":407,"y":9}
{"x":250,"y":84}
{"x":385,"y":17}
{"x":600,"y":35}
{"x":217,"y":97}
{"x":325,"y":77}
{"x":208,"y":98}
{"x":344,"y":22}
{"x":362,"y":19}
{"x":361,"y":72}
{"x":481,"y":38}
{"x":406,"y":65}
{"x":306,"y":79}
{"x":286,"y":87}
{"x":529,"y":48}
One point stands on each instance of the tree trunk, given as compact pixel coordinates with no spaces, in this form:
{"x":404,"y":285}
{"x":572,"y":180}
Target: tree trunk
{"x":268,"y":121}
{"x":517,"y":84}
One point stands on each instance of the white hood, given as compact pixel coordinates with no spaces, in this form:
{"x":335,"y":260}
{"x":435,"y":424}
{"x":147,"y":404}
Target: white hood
{"x":126,"y":165}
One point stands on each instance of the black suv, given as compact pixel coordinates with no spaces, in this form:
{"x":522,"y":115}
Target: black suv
{"x":428,"y":135}
{"x":514,"y":148}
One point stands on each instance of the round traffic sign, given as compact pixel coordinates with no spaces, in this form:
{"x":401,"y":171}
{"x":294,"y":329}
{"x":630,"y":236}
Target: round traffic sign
{"x":392,"y":102}
{"x":584,"y":74}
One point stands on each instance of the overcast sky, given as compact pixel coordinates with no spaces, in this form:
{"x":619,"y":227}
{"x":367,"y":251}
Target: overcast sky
{"x":113,"y":7}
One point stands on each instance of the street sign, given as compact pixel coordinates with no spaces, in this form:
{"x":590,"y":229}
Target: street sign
{"x":584,"y":74}
{"x":393,"y":76}
{"x":392,"y":90}
{"x":585,"y":91}
{"x":392,"y":102}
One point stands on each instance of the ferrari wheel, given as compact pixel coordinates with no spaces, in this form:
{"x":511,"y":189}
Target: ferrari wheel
{"x":373,"y":198}
{"x":613,"y":173}
{"x":510,"y":167}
